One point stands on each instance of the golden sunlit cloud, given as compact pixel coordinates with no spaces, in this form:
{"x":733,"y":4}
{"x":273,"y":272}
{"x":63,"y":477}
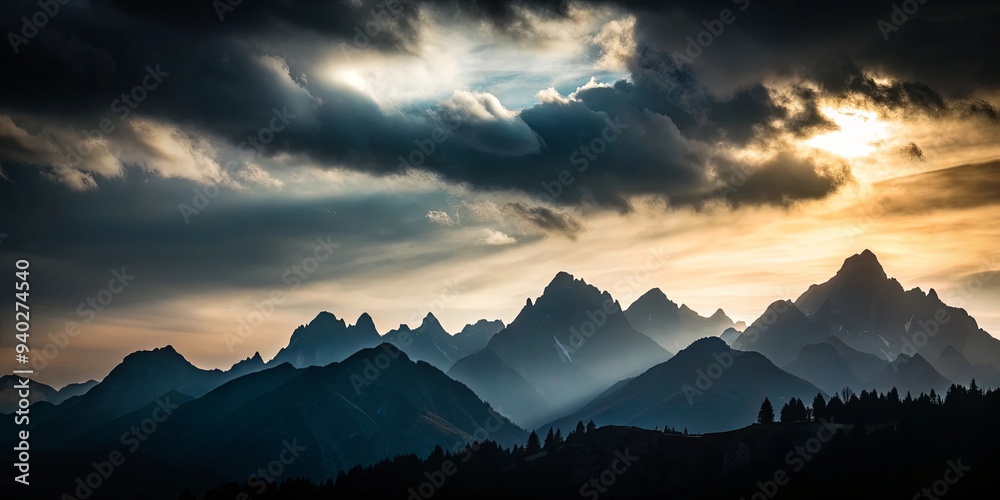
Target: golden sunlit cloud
{"x":860,"y":132}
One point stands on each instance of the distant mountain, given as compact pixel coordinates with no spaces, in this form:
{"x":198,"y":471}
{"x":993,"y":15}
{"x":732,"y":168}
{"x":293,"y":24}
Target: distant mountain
{"x":327,"y":339}
{"x":137,"y":381}
{"x":864,"y":365}
{"x":872,"y":313}
{"x":77,"y":389}
{"x":954,"y":366}
{"x":368,"y":408}
{"x":249,"y":365}
{"x":429,"y":342}
{"x":913,"y":374}
{"x":707,"y":387}
{"x":780,"y":333}
{"x":730,"y":335}
{"x":474,"y":337}
{"x":832,"y":365}
{"x":673,"y":327}
{"x":9,"y":395}
{"x":869,"y":312}
{"x":39,"y":392}
{"x":957,"y":368}
{"x":560,"y":351}
{"x":821,"y":365}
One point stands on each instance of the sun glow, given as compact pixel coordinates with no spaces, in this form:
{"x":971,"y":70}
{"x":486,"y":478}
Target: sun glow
{"x":859,"y":133}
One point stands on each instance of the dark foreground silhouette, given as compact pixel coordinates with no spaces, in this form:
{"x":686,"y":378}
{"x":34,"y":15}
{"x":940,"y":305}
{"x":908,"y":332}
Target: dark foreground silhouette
{"x":873,"y":445}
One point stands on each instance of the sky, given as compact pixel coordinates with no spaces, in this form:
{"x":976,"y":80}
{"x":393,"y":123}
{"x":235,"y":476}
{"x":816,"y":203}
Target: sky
{"x":169,"y":168}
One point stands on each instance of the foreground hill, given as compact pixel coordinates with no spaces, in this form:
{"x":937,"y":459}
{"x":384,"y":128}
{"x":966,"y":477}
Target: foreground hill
{"x":377,"y":404}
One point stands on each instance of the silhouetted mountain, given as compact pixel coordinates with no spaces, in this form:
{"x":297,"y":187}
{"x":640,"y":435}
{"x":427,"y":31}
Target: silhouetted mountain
{"x":569,"y":345}
{"x":864,"y":365}
{"x":821,"y":365}
{"x":474,"y":337}
{"x":911,"y":374}
{"x":138,"y":380}
{"x":730,"y":335}
{"x":9,"y":395}
{"x":868,"y":313}
{"x":77,"y":389}
{"x":249,"y":365}
{"x":673,"y":327}
{"x":370,"y":407}
{"x":707,"y":387}
{"x":955,"y":441}
{"x":429,"y":342}
{"x":872,"y":313}
{"x":954,"y":366}
{"x":780,"y":333}
{"x":327,"y":339}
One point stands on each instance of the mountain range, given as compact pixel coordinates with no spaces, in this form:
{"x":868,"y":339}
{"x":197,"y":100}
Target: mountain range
{"x":572,"y":354}
{"x":559,"y":352}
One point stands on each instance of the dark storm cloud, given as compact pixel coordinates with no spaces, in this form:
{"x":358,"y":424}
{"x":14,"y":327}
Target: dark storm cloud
{"x":240,"y":241}
{"x":641,"y":138}
{"x":945,"y":45}
{"x":546,"y":219}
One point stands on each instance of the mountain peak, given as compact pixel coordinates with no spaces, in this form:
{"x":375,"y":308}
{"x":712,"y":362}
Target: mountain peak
{"x":430,"y":322}
{"x":864,"y":263}
{"x":562,"y":278}
{"x":365,"y":321}
{"x":160,"y":356}
{"x":720,"y":314}
{"x":950,"y":352}
{"x":328,"y":318}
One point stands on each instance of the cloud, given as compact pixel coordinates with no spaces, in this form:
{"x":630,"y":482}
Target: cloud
{"x":546,"y":219}
{"x":655,"y":133}
{"x":497,"y":238}
{"x":439,"y":217}
{"x":617,"y":43}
